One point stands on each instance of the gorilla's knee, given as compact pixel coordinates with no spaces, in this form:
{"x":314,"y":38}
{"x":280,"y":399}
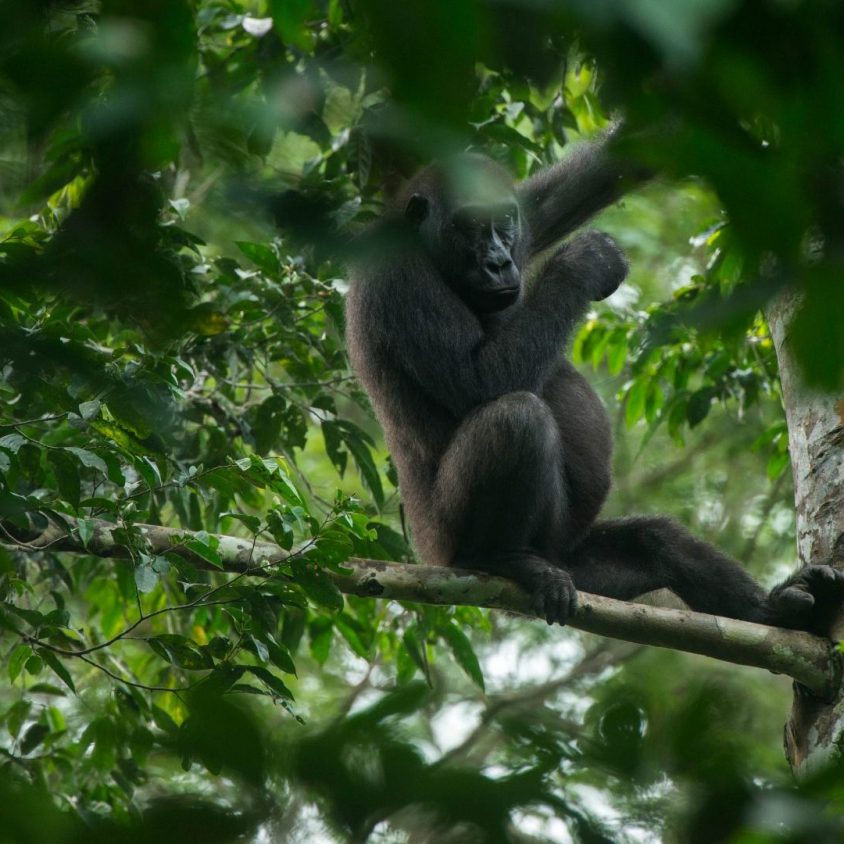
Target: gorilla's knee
{"x":521,"y":419}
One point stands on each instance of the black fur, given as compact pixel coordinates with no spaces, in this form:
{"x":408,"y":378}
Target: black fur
{"x":502,"y":448}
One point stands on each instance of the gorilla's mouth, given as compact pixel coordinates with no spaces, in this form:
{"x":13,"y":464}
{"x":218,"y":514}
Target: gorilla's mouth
{"x":498,"y":299}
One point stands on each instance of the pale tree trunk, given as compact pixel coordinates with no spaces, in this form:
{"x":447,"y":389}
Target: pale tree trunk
{"x":814,"y":733}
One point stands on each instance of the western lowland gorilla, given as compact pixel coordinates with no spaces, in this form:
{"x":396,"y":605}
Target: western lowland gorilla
{"x":502,"y":448}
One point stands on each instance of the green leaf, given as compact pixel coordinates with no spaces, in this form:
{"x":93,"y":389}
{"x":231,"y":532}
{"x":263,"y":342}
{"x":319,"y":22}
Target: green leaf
{"x":400,"y":702}
{"x":317,"y":585}
{"x":698,"y":407}
{"x":416,"y":651}
{"x":321,"y":631}
{"x":33,"y":737}
{"x":267,"y":425}
{"x":33,"y":617}
{"x":12,"y":442}
{"x":617,"y":352}
{"x":181,"y":651}
{"x":205,"y":550}
{"x":164,"y":722}
{"x":333,"y":547}
{"x":778,"y":462}
{"x":279,"y":655}
{"x":286,"y":486}
{"x":145,"y":577}
{"x":13,"y":506}
{"x":86,"y":530}
{"x":259,"y":253}
{"x":16,"y":716}
{"x":89,"y":459}
{"x":222,"y":678}
{"x":289,"y":17}
{"x":46,"y":689}
{"x":269,"y":679}
{"x":89,"y":410}
{"x":599,"y":348}
{"x":149,"y":471}
{"x":16,"y":661}
{"x":347,"y":630}
{"x":654,"y":402}
{"x":252,"y":523}
{"x":66,"y":470}
{"x":358,"y":444}
{"x":55,"y":719}
{"x":160,"y":565}
{"x":281,"y":529}
{"x":463,"y":652}
{"x":58,"y":667}
{"x":34,"y":665}
{"x":103,"y":733}
{"x":635,"y":401}
{"x":334,"y":445}
{"x":180,"y":206}
{"x":406,"y":667}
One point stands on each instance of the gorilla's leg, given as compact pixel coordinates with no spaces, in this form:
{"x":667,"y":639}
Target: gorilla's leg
{"x":625,"y":558}
{"x":500,"y":499}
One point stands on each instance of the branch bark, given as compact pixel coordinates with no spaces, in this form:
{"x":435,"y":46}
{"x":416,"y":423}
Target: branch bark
{"x":810,"y":660}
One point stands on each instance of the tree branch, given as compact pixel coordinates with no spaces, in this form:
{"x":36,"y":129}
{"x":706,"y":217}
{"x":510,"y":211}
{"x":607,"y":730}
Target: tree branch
{"x":812,"y":661}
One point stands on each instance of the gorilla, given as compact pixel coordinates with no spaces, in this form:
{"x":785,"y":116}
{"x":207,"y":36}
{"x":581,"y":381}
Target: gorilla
{"x":457,"y":321}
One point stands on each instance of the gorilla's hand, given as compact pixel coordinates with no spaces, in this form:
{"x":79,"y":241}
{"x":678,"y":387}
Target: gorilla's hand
{"x":552,"y":593}
{"x":597,"y":261}
{"x":809,"y":600}
{"x":551,"y":589}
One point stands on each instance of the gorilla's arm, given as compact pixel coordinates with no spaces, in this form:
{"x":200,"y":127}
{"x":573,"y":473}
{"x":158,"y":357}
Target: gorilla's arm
{"x":445,"y":348}
{"x":442,"y":345}
{"x":558,"y":200}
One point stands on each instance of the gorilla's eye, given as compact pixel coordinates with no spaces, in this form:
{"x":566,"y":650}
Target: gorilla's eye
{"x":465,"y":219}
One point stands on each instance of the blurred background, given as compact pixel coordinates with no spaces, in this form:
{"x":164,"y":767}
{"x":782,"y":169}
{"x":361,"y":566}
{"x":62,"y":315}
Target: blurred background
{"x":181,"y":184}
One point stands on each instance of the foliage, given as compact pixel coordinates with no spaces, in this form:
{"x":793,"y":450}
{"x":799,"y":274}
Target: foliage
{"x":182,"y":183}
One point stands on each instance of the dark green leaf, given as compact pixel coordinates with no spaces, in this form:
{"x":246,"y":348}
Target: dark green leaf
{"x":273,"y":683}
{"x":16,"y":716}
{"x":416,"y":651}
{"x":205,"y":550}
{"x":698,"y":406}
{"x":58,"y":667}
{"x":89,"y":459}
{"x":318,"y":586}
{"x":33,"y":737}
{"x":180,"y":651}
{"x":463,"y":652}
{"x":289,"y":17}
{"x":66,"y":470}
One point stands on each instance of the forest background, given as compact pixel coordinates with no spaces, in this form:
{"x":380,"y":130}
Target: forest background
{"x":180,"y":187}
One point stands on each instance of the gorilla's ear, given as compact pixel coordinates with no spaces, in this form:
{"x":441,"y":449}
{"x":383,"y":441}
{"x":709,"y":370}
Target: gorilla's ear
{"x":416,"y":210}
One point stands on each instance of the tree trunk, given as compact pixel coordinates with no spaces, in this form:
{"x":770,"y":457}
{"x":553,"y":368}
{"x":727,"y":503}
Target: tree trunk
{"x":814,"y":733}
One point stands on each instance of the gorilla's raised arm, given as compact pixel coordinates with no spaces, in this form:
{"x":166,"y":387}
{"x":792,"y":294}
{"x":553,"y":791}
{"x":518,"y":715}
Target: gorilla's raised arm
{"x":558,"y":200}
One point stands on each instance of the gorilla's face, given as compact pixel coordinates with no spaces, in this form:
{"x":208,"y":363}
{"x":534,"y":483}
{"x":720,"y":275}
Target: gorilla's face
{"x":482,"y":239}
{"x":472,"y":229}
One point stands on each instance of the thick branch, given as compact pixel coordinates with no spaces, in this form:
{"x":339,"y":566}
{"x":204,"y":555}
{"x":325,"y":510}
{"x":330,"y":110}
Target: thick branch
{"x":810,"y":660}
{"x":815,"y":729}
